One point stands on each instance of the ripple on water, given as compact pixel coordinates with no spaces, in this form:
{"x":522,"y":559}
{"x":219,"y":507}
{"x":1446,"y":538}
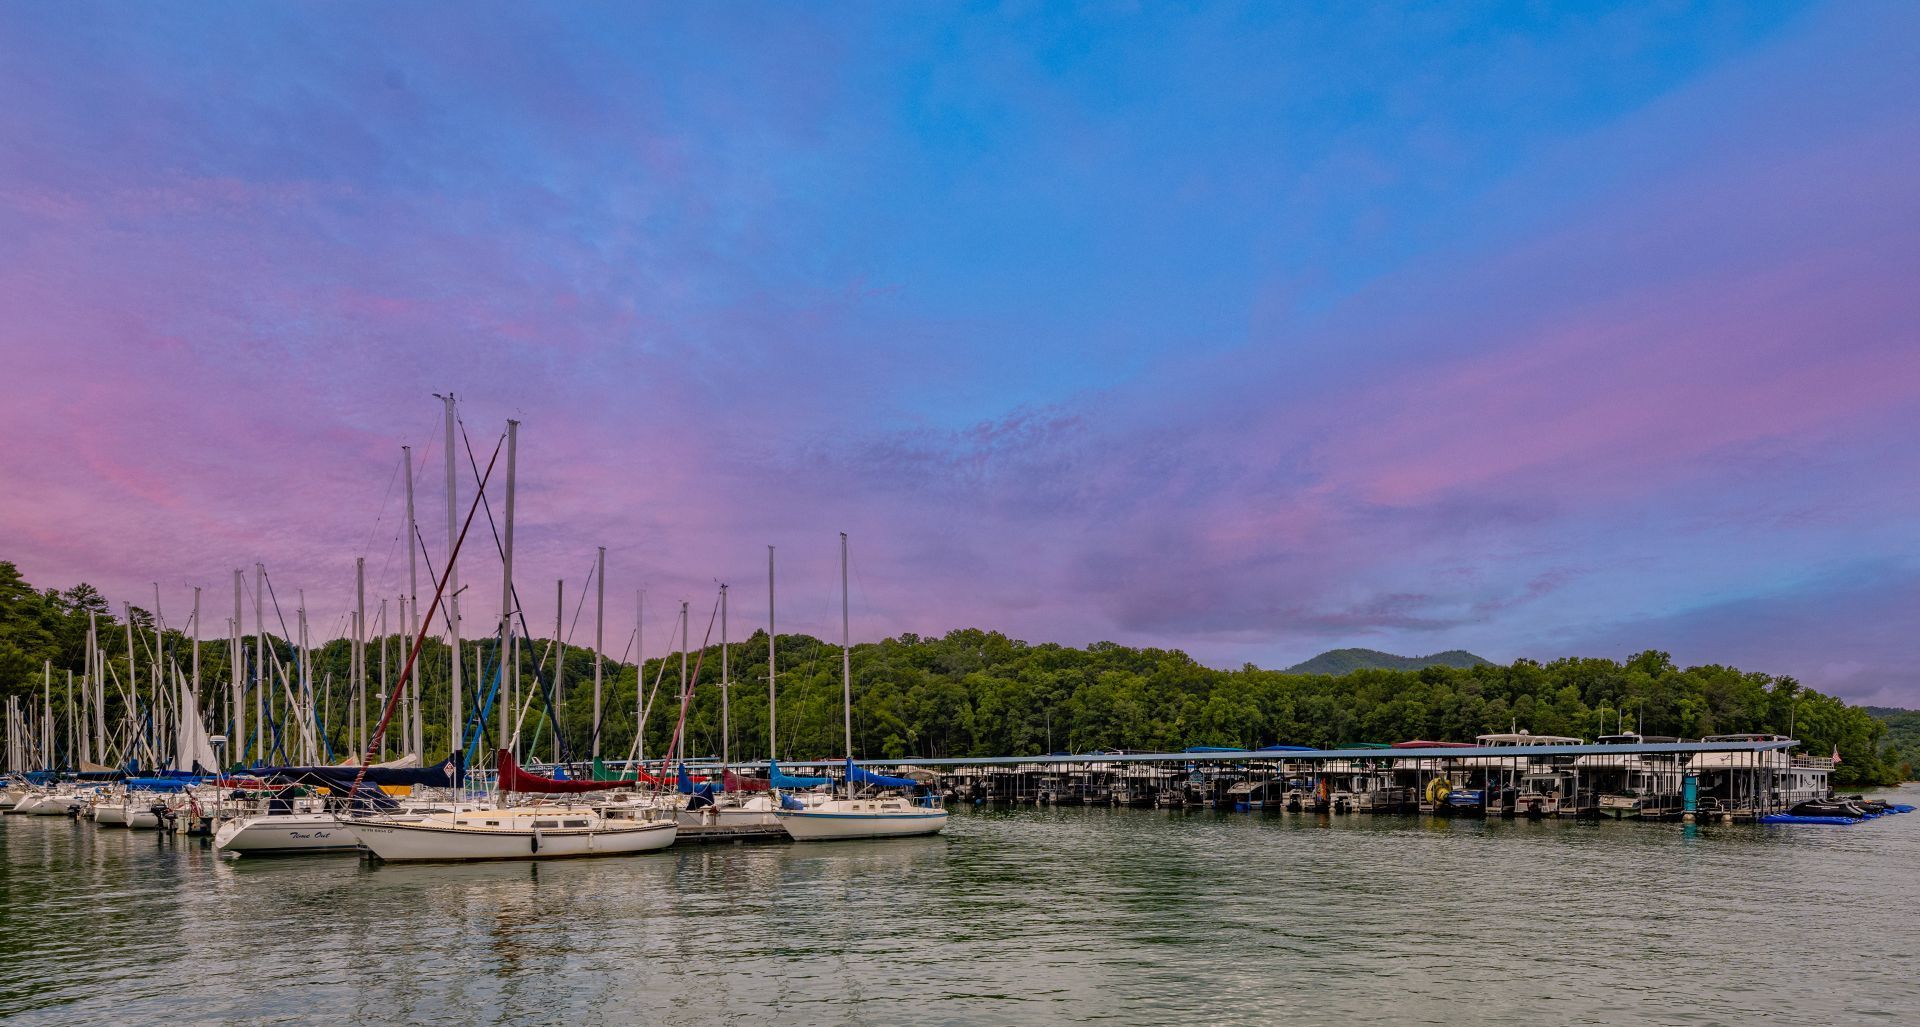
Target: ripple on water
{"x":1025,"y":916}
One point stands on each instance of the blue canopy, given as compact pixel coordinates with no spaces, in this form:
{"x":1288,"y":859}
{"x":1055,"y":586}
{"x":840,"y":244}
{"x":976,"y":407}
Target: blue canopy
{"x":857,"y":774}
{"x":1287,"y":748}
{"x":783,"y":780}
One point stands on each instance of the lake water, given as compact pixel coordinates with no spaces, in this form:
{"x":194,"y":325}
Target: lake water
{"x":1011,"y":917}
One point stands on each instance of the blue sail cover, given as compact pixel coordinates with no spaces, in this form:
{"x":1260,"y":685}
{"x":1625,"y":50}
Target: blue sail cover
{"x":857,"y":774}
{"x":686,"y":786}
{"x":160,"y":784}
{"x":784,"y":780}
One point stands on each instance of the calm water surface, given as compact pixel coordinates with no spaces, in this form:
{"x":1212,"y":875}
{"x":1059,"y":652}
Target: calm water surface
{"x":1010,"y":917}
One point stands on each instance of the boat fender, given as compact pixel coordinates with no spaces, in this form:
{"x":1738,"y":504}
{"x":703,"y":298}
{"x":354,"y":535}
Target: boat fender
{"x":536,"y":839}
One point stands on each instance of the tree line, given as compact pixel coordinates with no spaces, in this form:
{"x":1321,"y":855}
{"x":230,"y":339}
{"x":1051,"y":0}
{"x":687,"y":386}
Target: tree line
{"x":973,"y":693}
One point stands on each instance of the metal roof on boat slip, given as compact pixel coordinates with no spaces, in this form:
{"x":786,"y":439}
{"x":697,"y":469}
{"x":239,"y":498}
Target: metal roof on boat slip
{"x":1476,"y":752}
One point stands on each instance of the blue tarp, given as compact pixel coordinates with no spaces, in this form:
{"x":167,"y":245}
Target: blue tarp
{"x":857,"y":774}
{"x":1286,"y":748}
{"x":782,"y":780}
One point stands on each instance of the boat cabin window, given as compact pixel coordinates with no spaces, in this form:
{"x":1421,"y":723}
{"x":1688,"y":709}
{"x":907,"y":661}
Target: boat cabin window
{"x":546,"y":823}
{"x":576,"y":823}
{"x":493,"y":823}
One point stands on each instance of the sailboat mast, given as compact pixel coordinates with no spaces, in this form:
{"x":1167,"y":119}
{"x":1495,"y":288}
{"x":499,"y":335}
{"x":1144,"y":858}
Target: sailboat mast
{"x":456,"y":737}
{"x":359,"y":654}
{"x":133,"y":682}
{"x":196,"y":646}
{"x":507,"y":649}
{"x":410,"y":607}
{"x":846,"y":648}
{"x":259,"y":661}
{"x":559,"y":660}
{"x":639,"y":676}
{"x":680,"y":736}
{"x":303,"y":677}
{"x":772,"y":749}
{"x":95,"y":694}
{"x":599,"y":639}
{"x":237,"y":701}
{"x":726,"y":717}
{"x":384,"y":686}
{"x":157,"y":698}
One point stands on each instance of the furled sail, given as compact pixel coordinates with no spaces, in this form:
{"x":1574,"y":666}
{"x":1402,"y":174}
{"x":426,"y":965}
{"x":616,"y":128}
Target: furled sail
{"x":784,"y":780}
{"x":513,"y":779}
{"x":687,"y":786}
{"x":857,"y":774}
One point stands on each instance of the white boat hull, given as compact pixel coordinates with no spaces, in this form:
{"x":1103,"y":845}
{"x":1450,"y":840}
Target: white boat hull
{"x":45,"y":805}
{"x":836,"y":821}
{"x":738,"y":816}
{"x":110,"y":814}
{"x":399,"y":842}
{"x":286,"y":833}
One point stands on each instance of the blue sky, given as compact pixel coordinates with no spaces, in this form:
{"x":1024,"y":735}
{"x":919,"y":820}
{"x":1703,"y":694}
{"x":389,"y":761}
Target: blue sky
{"x":1251,"y":330}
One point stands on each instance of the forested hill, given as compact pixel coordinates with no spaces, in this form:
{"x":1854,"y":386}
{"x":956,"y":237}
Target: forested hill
{"x":1901,"y":746}
{"x":1346,"y":661}
{"x":976,"y":692}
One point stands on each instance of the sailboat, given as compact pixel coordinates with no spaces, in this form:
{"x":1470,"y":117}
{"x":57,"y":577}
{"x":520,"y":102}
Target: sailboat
{"x":530,"y":831}
{"x":875,"y":814}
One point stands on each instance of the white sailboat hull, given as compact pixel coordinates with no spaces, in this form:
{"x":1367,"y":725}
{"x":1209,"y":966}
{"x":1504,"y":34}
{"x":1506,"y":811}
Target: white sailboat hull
{"x":110,"y":814}
{"x":44,"y":805}
{"x":399,"y":842}
{"x":286,"y":833}
{"x":839,"y":820}
{"x":142,"y":818}
{"x":739,"y":816}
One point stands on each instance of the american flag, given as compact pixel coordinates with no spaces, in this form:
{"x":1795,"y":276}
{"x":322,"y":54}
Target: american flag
{"x":1836,"y":754}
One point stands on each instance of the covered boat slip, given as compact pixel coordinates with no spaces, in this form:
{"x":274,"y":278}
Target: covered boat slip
{"x":1742,"y":777}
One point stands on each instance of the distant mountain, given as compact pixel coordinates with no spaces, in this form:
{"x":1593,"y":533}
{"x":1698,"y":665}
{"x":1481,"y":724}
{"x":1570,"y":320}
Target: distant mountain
{"x":1342,"y":661}
{"x":1886,"y":712}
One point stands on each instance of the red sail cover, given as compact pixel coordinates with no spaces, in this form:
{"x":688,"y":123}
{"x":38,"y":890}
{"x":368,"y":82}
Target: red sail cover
{"x":513,"y":779}
{"x":733,"y":782}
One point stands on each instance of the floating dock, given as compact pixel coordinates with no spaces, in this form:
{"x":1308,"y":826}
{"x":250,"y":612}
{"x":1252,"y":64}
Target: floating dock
{"x":1728,"y":777}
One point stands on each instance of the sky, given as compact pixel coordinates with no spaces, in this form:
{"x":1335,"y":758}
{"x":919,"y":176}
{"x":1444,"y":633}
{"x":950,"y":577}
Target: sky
{"x":1537,"y":330}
